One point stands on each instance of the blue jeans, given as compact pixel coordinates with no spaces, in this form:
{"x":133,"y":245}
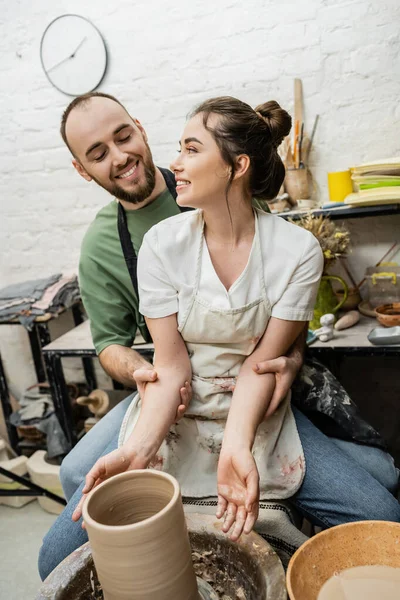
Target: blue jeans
{"x":343,"y":482}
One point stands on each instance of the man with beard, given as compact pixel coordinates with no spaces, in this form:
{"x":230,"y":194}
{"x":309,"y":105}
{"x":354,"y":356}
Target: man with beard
{"x":111,"y":148}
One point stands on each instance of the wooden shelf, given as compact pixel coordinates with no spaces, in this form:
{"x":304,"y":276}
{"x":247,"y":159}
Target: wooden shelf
{"x":345,"y":212}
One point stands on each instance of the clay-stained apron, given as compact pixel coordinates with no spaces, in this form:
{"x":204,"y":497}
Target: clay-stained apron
{"x":218,"y":342}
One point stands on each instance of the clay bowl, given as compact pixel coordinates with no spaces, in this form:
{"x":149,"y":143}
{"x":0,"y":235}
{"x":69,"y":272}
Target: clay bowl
{"x":388,"y":315}
{"x":248,"y":569}
{"x":350,"y":545}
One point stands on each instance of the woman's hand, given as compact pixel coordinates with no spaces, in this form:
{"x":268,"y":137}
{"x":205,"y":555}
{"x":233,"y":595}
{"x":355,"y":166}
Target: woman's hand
{"x":118,"y":461}
{"x":238,"y":491}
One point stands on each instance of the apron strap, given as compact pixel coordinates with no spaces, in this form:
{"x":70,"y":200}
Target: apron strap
{"x":127,"y":247}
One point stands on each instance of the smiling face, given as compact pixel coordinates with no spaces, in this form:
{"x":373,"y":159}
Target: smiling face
{"x":111,"y":148}
{"x":200,"y":172}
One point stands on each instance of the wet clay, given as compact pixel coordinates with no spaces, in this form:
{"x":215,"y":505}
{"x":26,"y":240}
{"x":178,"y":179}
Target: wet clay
{"x":363,"y":583}
{"x":140,"y":545}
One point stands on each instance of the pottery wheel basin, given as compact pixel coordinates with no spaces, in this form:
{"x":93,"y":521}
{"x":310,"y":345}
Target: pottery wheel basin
{"x":246,"y":570}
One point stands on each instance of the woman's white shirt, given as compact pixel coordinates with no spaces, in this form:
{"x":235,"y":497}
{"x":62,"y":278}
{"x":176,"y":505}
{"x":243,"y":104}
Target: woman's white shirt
{"x":167,"y":265}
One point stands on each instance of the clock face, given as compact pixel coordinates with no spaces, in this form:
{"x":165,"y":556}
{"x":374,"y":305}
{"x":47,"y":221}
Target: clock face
{"x":73,"y":55}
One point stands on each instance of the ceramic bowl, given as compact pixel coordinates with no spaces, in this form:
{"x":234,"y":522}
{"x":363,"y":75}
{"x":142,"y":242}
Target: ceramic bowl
{"x":352,"y":301}
{"x":342,"y":547}
{"x":388,"y":315}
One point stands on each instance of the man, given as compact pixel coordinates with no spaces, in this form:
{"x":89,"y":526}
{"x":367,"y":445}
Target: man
{"x":111,"y":148}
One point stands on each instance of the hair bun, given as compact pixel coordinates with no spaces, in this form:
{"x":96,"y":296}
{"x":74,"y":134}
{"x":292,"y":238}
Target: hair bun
{"x":278,"y":120}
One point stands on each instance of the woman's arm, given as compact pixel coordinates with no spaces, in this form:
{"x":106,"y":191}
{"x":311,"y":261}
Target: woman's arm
{"x":238,"y":479}
{"x":253,"y":392}
{"x":158,"y":410}
{"x":162,"y":397}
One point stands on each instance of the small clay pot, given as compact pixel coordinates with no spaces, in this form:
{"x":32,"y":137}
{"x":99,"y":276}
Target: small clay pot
{"x":388,"y":315}
{"x":352,"y":301}
{"x":140,"y":544}
{"x":350,"y":545}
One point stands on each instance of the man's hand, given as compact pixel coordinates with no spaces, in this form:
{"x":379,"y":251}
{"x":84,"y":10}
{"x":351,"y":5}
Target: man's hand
{"x":238,"y":491}
{"x":285,"y":370}
{"x":145,"y":375}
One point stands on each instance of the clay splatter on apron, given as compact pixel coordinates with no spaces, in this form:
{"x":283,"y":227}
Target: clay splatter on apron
{"x":290,"y":468}
{"x":157,"y":463}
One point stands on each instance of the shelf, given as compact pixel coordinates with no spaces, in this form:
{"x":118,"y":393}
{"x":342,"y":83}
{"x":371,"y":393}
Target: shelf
{"x":345,"y":212}
{"x":354,"y":342}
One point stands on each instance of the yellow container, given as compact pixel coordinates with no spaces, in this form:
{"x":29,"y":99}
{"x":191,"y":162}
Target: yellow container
{"x":340,"y":185}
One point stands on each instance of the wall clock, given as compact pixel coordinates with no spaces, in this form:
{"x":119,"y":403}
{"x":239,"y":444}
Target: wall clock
{"x":73,"y":55}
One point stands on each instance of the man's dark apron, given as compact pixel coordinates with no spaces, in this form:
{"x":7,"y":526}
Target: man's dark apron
{"x":316,"y":392}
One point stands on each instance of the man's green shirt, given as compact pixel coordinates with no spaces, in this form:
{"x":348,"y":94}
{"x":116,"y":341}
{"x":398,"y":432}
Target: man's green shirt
{"x":106,"y":287}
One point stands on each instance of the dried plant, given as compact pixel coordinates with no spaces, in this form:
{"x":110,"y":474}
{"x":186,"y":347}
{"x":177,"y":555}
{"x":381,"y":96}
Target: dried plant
{"x":334,"y":240}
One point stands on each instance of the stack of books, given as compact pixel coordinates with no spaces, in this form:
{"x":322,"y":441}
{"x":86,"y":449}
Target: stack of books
{"x":376,"y":182}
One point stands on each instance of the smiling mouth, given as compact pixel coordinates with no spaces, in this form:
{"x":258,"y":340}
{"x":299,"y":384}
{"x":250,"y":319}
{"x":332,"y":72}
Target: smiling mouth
{"x":182,"y":182}
{"x":129,"y":173}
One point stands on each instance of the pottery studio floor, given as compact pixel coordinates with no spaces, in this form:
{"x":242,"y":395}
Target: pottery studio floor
{"x":21,"y":533}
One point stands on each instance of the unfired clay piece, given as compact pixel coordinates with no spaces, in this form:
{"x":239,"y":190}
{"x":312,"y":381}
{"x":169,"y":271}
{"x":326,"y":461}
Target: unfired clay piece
{"x":140,"y":545}
{"x":348,"y":320}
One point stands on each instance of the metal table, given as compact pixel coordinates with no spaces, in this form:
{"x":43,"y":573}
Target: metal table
{"x":75,"y":343}
{"x":39,"y":337}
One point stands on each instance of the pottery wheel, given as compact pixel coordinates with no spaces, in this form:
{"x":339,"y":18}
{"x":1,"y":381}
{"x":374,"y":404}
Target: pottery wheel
{"x":205,"y":590}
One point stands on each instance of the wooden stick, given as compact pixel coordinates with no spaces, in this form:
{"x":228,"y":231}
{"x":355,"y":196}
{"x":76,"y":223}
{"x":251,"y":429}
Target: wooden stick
{"x":349,"y":275}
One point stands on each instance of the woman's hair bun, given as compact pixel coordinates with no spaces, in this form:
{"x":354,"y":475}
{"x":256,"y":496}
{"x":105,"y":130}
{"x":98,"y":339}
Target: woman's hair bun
{"x":278,"y":120}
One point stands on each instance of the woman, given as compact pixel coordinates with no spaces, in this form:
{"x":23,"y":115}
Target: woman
{"x":222,"y":287}
{"x":229,"y":285}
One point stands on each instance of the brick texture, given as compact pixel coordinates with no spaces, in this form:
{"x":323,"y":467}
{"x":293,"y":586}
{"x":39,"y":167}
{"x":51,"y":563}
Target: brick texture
{"x":163,"y":59}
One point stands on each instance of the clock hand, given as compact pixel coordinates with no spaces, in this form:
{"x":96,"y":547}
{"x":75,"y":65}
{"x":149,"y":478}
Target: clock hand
{"x":68,"y":57}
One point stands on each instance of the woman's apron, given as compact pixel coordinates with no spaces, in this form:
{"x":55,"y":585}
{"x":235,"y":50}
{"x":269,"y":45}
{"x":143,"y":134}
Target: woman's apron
{"x":218,"y":342}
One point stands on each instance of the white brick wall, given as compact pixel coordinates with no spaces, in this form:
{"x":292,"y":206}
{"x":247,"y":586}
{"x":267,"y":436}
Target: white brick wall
{"x":164,"y":58}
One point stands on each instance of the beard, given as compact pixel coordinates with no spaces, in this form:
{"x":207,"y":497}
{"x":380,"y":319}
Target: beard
{"x":142,"y":192}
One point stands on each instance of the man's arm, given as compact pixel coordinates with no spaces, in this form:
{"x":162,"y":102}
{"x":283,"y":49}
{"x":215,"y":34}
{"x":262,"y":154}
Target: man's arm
{"x":121,"y":363}
{"x":285,"y":369}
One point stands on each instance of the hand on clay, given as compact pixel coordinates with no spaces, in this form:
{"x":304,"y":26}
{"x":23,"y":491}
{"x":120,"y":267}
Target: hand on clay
{"x":146,"y":375}
{"x":117,"y":461}
{"x":285,"y":370}
{"x":238,"y":491}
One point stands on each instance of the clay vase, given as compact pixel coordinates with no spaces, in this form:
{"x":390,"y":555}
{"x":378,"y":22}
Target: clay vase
{"x":326,"y":301}
{"x":140,"y":544}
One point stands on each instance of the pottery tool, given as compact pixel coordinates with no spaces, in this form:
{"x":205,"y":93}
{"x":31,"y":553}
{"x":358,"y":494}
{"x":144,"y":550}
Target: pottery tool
{"x":298,"y":101}
{"x":301,"y":164}
{"x":296,"y":145}
{"x":378,"y":263}
{"x":311,"y":138}
{"x":298,"y":119}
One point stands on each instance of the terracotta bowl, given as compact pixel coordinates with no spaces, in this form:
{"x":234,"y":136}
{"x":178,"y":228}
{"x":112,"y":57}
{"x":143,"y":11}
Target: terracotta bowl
{"x":350,"y":545}
{"x":388,"y":315}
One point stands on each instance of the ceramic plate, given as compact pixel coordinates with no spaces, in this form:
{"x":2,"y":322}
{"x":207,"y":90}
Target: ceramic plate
{"x":366,"y":309}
